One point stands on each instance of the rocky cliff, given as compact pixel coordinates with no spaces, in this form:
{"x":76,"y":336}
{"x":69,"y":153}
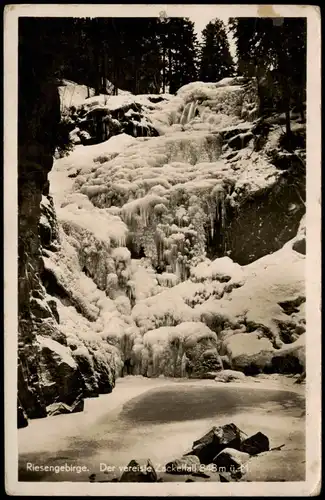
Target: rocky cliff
{"x":39,"y":115}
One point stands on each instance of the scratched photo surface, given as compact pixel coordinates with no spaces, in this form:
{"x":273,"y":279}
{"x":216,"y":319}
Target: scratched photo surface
{"x":162,"y":164}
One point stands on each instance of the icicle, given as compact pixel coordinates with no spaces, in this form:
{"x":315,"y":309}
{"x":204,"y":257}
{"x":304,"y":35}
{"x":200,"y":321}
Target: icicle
{"x":217,"y":210}
{"x":181,"y":121}
{"x":188,"y":112}
{"x":184,"y":117}
{"x":178,"y":270}
{"x":223,"y":214}
{"x":192,"y":110}
{"x":184,"y":365}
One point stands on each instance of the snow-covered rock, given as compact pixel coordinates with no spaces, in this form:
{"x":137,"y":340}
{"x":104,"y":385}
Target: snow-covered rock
{"x":58,"y":372}
{"x":96,"y":118}
{"x":231,"y":459}
{"x":267,"y":282}
{"x":229,"y":376}
{"x":188,"y":349}
{"x":291,"y":358}
{"x":247,"y":349}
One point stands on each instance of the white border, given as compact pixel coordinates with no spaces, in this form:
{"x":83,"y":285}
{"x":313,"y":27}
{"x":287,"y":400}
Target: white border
{"x":312,"y":484}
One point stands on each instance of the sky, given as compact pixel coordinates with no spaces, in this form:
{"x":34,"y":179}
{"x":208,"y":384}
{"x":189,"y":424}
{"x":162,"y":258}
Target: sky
{"x":204,"y":19}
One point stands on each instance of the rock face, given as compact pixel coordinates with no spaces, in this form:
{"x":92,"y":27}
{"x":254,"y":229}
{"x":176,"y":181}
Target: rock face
{"x":60,"y":378}
{"x":51,"y":369}
{"x":22,"y":420}
{"x":290,"y":358}
{"x":39,"y":116}
{"x":259,"y":217}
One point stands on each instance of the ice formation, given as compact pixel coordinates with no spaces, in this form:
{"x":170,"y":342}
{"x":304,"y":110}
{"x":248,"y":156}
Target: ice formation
{"x":135,"y":215}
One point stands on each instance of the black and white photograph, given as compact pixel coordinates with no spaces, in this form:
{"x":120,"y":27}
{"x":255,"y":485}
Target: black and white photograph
{"x":162,"y":171}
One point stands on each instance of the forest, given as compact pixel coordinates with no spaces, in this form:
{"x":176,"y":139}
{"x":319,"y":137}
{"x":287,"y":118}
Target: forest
{"x":158,"y":55}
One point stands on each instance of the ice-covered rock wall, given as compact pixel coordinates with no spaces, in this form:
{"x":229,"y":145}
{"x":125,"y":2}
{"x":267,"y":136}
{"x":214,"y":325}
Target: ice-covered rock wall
{"x":203,"y":185}
{"x":146,"y":262}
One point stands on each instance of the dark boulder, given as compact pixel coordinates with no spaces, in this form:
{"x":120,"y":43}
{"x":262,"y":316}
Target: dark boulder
{"x":255,"y":444}
{"x":240,"y":141}
{"x":226,"y":477}
{"x":300,"y":246}
{"x":139,"y":471}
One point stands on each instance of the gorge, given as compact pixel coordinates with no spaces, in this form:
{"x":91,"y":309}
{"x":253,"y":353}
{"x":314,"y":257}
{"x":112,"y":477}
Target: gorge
{"x":174,"y":247}
{"x":161,"y":277}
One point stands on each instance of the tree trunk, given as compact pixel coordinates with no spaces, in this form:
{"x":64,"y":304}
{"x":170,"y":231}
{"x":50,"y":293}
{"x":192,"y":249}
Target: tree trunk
{"x":164,"y":70}
{"x":169,"y":65}
{"x":287,"y":100}
{"x":288,"y":124}
{"x":301,"y":106}
{"x":105,"y":71}
{"x":260,"y":94}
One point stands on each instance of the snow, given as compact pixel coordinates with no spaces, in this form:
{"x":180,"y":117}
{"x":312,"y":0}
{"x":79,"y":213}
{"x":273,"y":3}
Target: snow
{"x":167,"y":279}
{"x":274,"y":278}
{"x":165,"y":309}
{"x":157,"y":195}
{"x":105,"y":227}
{"x":163,"y":350}
{"x":60,"y":350}
{"x":220,"y":269}
{"x":246,"y":343}
{"x":144,"y":280}
{"x":72,"y":94}
{"x":82,"y":158}
{"x":111,"y":416}
{"x":111,"y":103}
{"x":146,"y":183}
